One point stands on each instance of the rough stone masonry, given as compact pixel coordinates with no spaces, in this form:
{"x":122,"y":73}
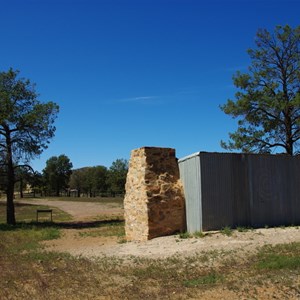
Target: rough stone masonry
{"x":154,"y":202}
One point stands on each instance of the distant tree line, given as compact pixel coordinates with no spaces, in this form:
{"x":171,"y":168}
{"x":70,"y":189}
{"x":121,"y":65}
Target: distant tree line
{"x":59,"y":179}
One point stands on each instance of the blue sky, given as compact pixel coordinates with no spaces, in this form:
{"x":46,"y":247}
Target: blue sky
{"x":128,"y":74}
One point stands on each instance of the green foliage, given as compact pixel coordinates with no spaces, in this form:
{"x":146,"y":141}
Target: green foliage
{"x":97,"y":180}
{"x":243,"y":229}
{"x":185,"y":235}
{"x":208,"y":279}
{"x":23,"y":118}
{"x":285,"y":256}
{"x":226,"y":230}
{"x":112,"y":228}
{"x":115,"y":201}
{"x":26,"y":127}
{"x":267,"y":104}
{"x":89,"y":180}
{"x":57,"y":173}
{"x":117,"y":176}
{"x":27,"y":237}
{"x":99,"y":176}
{"x":77,"y":180}
{"x":27,"y":213}
{"x":36,"y":182}
{"x":51,"y":233}
{"x":199,"y":234}
{"x":279,"y":262}
{"x":28,"y":271}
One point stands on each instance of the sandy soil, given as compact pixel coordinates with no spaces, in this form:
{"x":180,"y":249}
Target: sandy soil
{"x":76,"y":244}
{"x":162,"y":247}
{"x":80,"y":211}
{"x":240,"y":245}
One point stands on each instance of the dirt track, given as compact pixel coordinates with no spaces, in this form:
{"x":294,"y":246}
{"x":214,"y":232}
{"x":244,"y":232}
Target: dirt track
{"x":80,"y":211}
{"x":72,"y":242}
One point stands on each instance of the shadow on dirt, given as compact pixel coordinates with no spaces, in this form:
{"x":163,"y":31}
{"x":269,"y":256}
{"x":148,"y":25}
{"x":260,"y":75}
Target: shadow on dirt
{"x":60,"y":225}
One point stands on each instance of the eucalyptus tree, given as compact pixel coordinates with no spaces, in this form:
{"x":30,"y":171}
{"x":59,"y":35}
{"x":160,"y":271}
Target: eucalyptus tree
{"x":116,"y":178}
{"x":26,"y":128}
{"x":77,"y":179}
{"x":23,"y":175}
{"x":89,"y":180}
{"x":57,"y":173}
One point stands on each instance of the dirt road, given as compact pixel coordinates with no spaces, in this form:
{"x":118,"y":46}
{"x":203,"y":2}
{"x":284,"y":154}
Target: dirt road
{"x":81,"y":211}
{"x":84,"y":245}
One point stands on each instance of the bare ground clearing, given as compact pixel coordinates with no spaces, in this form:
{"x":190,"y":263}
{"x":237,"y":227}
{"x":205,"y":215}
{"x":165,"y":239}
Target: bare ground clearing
{"x":215,"y":266}
{"x":81,"y":211}
{"x":163,"y":247}
{"x":78,"y":242}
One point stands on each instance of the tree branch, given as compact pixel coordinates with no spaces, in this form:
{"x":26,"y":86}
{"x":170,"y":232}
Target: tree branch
{"x":270,"y":145}
{"x":26,"y":166}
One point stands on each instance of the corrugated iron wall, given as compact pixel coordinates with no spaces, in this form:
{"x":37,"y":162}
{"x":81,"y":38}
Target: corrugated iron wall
{"x":223,"y":190}
{"x":240,"y":190}
{"x":275,"y":185}
{"x":191,"y":178}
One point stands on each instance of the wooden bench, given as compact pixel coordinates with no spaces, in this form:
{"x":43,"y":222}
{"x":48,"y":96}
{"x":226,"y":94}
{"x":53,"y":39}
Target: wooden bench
{"x":43,"y":211}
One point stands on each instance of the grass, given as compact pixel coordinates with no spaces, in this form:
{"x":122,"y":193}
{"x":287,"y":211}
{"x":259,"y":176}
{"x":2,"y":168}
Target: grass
{"x":209,"y":279}
{"x":106,"y":229}
{"x":27,"y":213}
{"x":185,"y":235}
{"x":243,"y":229}
{"x":227,"y":230}
{"x":106,"y":200}
{"x":25,"y":237}
{"x":197,"y":234}
{"x":281,"y":257}
{"x":30,"y":272}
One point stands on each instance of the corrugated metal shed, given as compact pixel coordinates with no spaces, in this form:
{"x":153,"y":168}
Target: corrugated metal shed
{"x":190,"y":174}
{"x":226,"y":189}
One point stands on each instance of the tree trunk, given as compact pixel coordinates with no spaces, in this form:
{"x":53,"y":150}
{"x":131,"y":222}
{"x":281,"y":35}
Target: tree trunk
{"x":57,"y":189}
{"x":21,"y":188}
{"x":10,"y":207}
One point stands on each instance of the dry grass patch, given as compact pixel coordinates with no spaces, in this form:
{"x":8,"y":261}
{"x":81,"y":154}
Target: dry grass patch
{"x":30,"y":272}
{"x":27,"y":213}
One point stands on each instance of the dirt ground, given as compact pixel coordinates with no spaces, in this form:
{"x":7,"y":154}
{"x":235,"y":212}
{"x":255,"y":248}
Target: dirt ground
{"x":81,"y":211}
{"x":216,"y":251}
{"x":162,"y":247}
{"x":76,"y":244}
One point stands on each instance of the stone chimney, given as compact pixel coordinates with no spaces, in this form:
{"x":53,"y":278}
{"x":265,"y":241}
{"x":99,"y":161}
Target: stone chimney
{"x":154,"y":202}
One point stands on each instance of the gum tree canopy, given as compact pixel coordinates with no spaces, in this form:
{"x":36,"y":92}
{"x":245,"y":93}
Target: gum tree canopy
{"x":267,"y":104}
{"x":57,"y":173}
{"x":26,"y":127}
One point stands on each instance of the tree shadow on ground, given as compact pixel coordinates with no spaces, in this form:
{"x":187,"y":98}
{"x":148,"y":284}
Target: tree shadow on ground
{"x":60,"y":225}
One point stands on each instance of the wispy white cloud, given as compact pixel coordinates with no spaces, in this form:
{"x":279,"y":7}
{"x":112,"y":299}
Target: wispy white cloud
{"x":138,"y":99}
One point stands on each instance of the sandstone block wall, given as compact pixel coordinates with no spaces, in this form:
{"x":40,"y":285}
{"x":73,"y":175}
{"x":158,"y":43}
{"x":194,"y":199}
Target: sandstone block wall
{"x":154,"y":202}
